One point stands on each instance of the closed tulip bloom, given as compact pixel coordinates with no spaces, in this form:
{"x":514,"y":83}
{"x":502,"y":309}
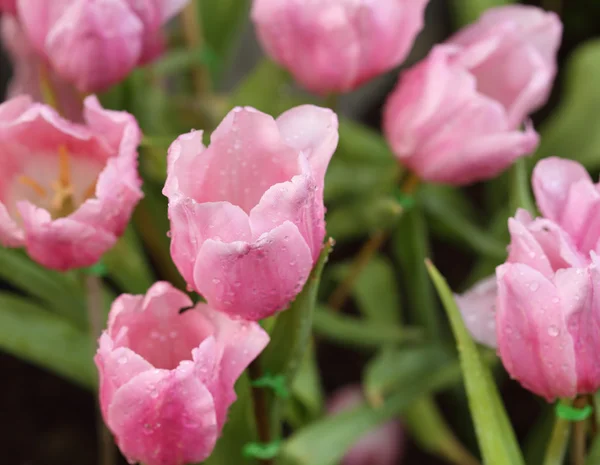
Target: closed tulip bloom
{"x":167,"y":377}
{"x":456,"y":117}
{"x":96,"y":43}
{"x":381,"y":446}
{"x":246,"y":212}
{"x":337,"y":45}
{"x":67,"y":190}
{"x":28,"y":68}
{"x":478,"y":309}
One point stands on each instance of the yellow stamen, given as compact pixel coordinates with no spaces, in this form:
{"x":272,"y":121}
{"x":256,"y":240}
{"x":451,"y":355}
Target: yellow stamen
{"x":90,"y":191}
{"x":37,"y":187}
{"x":64,"y":173}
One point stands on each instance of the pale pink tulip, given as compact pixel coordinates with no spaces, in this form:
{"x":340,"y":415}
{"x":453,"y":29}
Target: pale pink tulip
{"x":95,"y":44}
{"x":456,"y":117}
{"x":381,"y":446}
{"x":548,"y":303}
{"x":29,"y":69}
{"x":167,"y":377}
{"x":478,"y":309}
{"x":337,"y":45}
{"x":67,"y":190}
{"x":247,"y":214}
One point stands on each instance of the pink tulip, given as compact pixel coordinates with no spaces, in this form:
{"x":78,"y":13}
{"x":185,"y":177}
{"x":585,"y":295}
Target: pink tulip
{"x":548,"y":302}
{"x":95,"y":44}
{"x":337,"y":45}
{"x":28,"y":69}
{"x":67,"y":190}
{"x":167,"y":377}
{"x":8,"y":6}
{"x":478,"y":309}
{"x":247,"y":214}
{"x":381,"y":446}
{"x":455,"y":117}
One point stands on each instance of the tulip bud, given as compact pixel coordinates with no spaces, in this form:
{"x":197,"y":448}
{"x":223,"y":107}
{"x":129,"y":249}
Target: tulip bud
{"x":455,"y":117}
{"x":246,"y":212}
{"x":337,"y":45}
{"x":381,"y":446}
{"x":68,"y":190}
{"x":166,"y":378}
{"x":95,"y":44}
{"x":8,"y":6}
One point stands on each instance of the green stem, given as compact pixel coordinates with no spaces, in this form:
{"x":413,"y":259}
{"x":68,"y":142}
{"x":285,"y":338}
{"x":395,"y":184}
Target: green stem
{"x":191,"y":22}
{"x":106,"y":446}
{"x":261,"y":409}
{"x":557,"y":447}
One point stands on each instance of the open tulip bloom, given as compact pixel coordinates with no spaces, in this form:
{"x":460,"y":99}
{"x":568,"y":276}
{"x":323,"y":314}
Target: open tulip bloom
{"x":67,"y":190}
{"x":218,"y":346}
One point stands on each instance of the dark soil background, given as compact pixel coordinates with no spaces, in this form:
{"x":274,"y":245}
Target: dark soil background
{"x":44,"y":420}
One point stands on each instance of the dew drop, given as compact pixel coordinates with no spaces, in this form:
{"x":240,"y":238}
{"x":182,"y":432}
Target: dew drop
{"x":122,"y":360}
{"x":553,"y":331}
{"x":534,"y":286}
{"x":216,"y":280}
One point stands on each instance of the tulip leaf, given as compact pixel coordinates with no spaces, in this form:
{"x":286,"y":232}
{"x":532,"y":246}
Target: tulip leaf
{"x":351,"y":331}
{"x":376,"y":290}
{"x":326,"y":441}
{"x":411,"y":247}
{"x":593,"y":457}
{"x":127,"y":265}
{"x":447,"y":208}
{"x":306,"y":388}
{"x":31,"y":333}
{"x":495,"y":435}
{"x":59,"y":291}
{"x":468,"y":11}
{"x":573,"y":130}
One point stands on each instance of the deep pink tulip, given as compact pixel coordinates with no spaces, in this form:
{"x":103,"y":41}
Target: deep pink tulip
{"x":247,"y":214}
{"x":547,"y":311}
{"x":8,"y":6}
{"x":67,"y":190}
{"x":337,"y":45}
{"x":381,"y":446}
{"x":166,"y":377}
{"x":456,"y":117}
{"x":95,"y":44}
{"x":28,"y":68}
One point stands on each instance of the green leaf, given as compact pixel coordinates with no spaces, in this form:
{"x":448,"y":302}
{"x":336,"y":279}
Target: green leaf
{"x":539,"y":435}
{"x":262,"y":451}
{"x":291,"y":334}
{"x":376,"y":290}
{"x":387,"y":371}
{"x":127,"y":265}
{"x":573,"y":130}
{"x":593,"y":457}
{"x":430,"y":430}
{"x":360,"y":143}
{"x":307,"y":389}
{"x":495,"y":435}
{"x":410,"y":248}
{"x":359,"y":332}
{"x":358,"y":219}
{"x":276,"y":383}
{"x":59,"y":291}
{"x":446,"y":207}
{"x":31,"y":333}
{"x":326,"y":441}
{"x":468,"y":11}
{"x":182,"y":59}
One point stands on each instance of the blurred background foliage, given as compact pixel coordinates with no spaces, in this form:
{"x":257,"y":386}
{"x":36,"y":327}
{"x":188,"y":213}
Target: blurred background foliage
{"x":392,"y":337}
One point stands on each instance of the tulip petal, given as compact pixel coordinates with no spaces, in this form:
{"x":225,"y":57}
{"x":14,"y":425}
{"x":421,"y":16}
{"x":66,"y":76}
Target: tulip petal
{"x":478,"y":309}
{"x":254,"y":280}
{"x":164,"y":417}
{"x":533,"y":340}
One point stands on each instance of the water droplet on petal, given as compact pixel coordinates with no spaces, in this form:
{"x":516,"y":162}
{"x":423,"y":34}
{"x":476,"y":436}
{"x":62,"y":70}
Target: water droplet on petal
{"x":122,"y":360}
{"x":534,"y":286}
{"x":553,"y":331}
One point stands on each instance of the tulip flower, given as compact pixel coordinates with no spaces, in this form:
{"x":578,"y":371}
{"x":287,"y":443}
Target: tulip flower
{"x":29,"y":69}
{"x":337,"y":45}
{"x":456,"y":117}
{"x":167,"y":377}
{"x":8,"y":6}
{"x":478,"y":309}
{"x":381,"y":446}
{"x":547,"y":308}
{"x":67,"y":190}
{"x":95,"y":44}
{"x":246,"y":212}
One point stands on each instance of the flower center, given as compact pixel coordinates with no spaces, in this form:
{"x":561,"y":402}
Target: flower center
{"x":60,"y":196}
